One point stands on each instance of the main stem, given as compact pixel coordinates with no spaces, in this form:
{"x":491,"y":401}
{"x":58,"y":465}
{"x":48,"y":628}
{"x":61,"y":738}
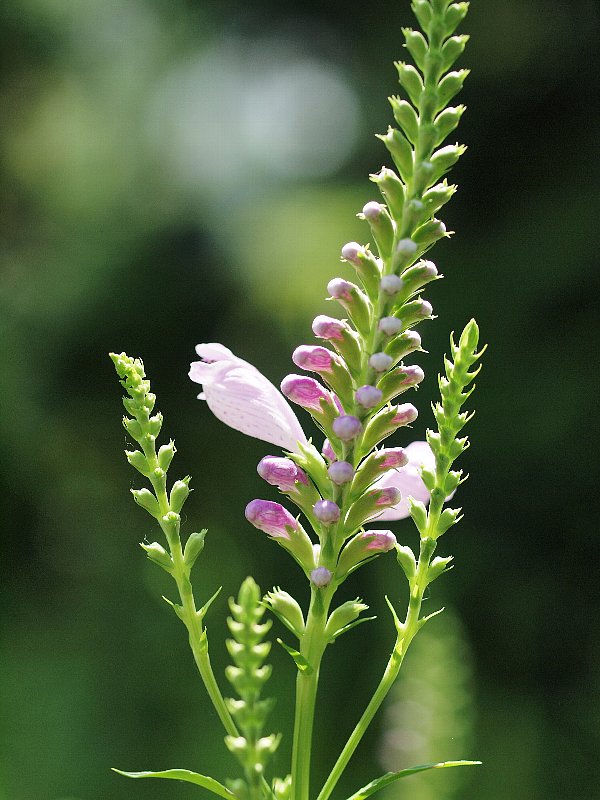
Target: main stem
{"x":312,"y":647}
{"x":405,"y":636}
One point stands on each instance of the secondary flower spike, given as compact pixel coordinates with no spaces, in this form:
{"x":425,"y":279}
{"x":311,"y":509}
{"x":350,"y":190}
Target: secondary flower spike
{"x":241,"y":397}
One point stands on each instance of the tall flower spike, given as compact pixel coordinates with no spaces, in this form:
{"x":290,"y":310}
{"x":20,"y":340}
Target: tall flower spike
{"x":241,"y":397}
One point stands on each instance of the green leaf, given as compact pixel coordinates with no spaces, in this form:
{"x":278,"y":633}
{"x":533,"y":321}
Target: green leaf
{"x":299,"y":659}
{"x":390,"y":777}
{"x":184,"y":775}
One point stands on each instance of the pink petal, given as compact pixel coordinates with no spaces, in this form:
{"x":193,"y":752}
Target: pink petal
{"x":241,"y":397}
{"x":408,"y":480}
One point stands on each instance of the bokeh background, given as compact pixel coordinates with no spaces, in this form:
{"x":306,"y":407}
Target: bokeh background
{"x":177,"y":171}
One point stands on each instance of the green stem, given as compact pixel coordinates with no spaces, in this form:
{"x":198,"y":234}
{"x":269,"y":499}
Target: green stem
{"x":312,"y":647}
{"x":405,"y":635}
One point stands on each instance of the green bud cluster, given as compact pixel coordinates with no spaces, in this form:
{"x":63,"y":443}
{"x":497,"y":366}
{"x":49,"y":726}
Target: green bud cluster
{"x":247,"y":675}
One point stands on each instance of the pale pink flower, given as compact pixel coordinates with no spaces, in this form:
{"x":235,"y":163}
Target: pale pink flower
{"x":408,"y":480}
{"x":241,"y":397}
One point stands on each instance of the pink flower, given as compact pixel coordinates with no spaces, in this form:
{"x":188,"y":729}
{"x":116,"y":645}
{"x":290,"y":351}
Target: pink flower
{"x":241,"y":397}
{"x":272,"y":518}
{"x":407,"y":480}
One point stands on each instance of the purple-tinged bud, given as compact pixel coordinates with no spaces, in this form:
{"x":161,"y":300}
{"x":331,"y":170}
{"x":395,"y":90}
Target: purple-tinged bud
{"x":390,"y":326}
{"x":340,"y":289}
{"x":363,"y":546}
{"x":368,"y":396}
{"x":328,"y":328}
{"x":347,"y":427}
{"x":306,"y":392}
{"x":272,"y":518}
{"x":426,"y":308}
{"x":370,"y":505}
{"x":406,"y":248}
{"x":403,"y":345}
{"x":328,"y":451}
{"x":392,"y":458}
{"x":430,"y":270}
{"x":380,"y":541}
{"x":313,"y":358}
{"x":372,"y":210}
{"x":380,"y":362}
{"x":413,"y":375}
{"x":321,"y":577}
{"x":405,"y":414}
{"x":351,"y":252}
{"x":390,"y":496}
{"x":281,"y":472}
{"x":391,"y":284}
{"x":326,"y":511}
{"x":341,"y":472}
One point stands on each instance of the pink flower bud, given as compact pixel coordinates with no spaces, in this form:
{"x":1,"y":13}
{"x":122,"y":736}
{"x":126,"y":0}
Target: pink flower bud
{"x":340,"y":289}
{"x":368,"y":396}
{"x":426,"y":309}
{"x":272,"y":518}
{"x":378,"y":541}
{"x":346,"y":427}
{"x":392,"y":458}
{"x":380,"y":362}
{"x":341,"y":472}
{"x":390,"y":326}
{"x":372,"y":210}
{"x":321,"y":577}
{"x":384,"y":498}
{"x":326,"y":511}
{"x":327,"y":451}
{"x":306,"y":392}
{"x":405,"y":414}
{"x":281,"y":472}
{"x":413,"y":375}
{"x":315,"y":359}
{"x":391,"y":284}
{"x":352,"y":252}
{"x":328,"y":328}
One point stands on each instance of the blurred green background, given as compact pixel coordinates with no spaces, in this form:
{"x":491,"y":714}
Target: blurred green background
{"x":182,"y":171}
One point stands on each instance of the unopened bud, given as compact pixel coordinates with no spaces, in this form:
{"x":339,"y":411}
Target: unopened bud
{"x":351,"y":252}
{"x":346,"y":427}
{"x":368,"y":396}
{"x":390,"y":326}
{"x":321,"y":577}
{"x":340,"y":472}
{"x":326,"y":511}
{"x":380,"y":362}
{"x":328,"y":328}
{"x":315,"y":359}
{"x":281,"y":472}
{"x":391,"y":284}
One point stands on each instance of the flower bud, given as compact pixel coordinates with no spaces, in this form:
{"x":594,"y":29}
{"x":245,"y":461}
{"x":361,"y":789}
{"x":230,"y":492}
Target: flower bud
{"x":321,"y":577}
{"x":406,"y":559}
{"x":374,"y":466}
{"x":381,"y":226}
{"x":343,"y":616}
{"x":392,"y":189}
{"x":390,"y":326}
{"x":314,"y":359}
{"x":380,"y":362}
{"x":353,"y":300}
{"x":446,"y":122}
{"x":326,"y":511}
{"x":368,"y":396}
{"x":400,"y":150}
{"x":193,"y":547}
{"x":346,"y":427}
{"x":414,"y":312}
{"x":405,"y":414}
{"x":287,"y":609}
{"x":369,"y":505}
{"x":281,"y":472}
{"x":272,"y":518}
{"x":363,"y":546}
{"x":180,"y":491}
{"x":403,"y":345}
{"x":165,"y":455}
{"x":391,"y":284}
{"x":416,"y":46}
{"x":399,"y":380}
{"x":158,"y":554}
{"x":341,"y":472}
{"x":138,"y":460}
{"x":411,"y":81}
{"x":450,"y":85}
{"x":328,"y":327}
{"x":306,"y":392}
{"x":406,"y":117}
{"x":328,"y":451}
{"x":384,"y":423}
{"x":352,"y":251}
{"x":147,"y":501}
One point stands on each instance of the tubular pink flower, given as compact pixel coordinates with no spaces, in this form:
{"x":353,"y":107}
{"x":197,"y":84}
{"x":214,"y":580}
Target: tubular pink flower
{"x":272,"y":518}
{"x":281,"y":472}
{"x":407,"y":480}
{"x":328,"y":328}
{"x":314,"y":358}
{"x":306,"y":392}
{"x":241,"y":397}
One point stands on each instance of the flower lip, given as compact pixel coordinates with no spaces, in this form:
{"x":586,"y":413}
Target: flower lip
{"x":243,"y":398}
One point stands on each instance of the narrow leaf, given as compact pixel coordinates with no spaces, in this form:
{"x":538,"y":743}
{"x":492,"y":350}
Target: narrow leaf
{"x":299,"y":659}
{"x":185,"y":775}
{"x":390,"y":777}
